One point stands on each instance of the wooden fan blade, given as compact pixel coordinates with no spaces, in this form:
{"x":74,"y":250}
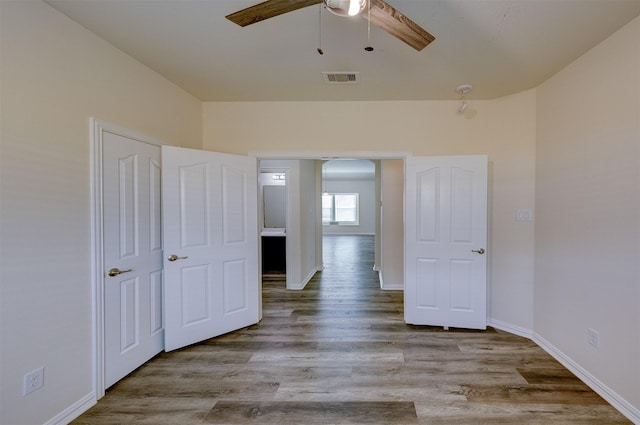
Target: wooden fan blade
{"x":268,"y":9}
{"x":395,"y":23}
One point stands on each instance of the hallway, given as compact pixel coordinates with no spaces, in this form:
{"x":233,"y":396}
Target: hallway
{"x":338,"y":352}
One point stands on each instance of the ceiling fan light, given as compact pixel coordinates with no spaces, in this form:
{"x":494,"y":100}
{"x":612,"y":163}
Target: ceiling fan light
{"x":345,"y":7}
{"x":355,"y":7}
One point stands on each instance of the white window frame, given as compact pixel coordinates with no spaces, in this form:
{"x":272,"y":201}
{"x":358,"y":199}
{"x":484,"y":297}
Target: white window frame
{"x":333,"y":221}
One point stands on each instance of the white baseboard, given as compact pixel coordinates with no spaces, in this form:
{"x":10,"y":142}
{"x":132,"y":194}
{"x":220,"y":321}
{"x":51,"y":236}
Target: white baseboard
{"x":512,"y":329}
{"x":301,"y":285}
{"x":623,"y":406}
{"x":387,"y":286}
{"x":73,"y":411}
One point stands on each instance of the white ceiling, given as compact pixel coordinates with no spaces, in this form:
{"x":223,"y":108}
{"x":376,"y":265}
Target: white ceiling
{"x":498,"y":46}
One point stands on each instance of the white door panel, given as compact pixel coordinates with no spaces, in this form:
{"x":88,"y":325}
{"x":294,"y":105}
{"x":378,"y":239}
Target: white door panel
{"x":445,"y":221}
{"x":210,"y":224}
{"x":132,"y":241}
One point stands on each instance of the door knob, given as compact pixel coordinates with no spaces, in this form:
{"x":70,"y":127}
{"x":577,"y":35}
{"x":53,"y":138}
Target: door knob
{"x":116,"y":271}
{"x":478,"y":251}
{"x":174,"y":257}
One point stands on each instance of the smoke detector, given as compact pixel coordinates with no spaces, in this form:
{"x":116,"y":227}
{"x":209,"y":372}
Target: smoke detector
{"x":464,"y":89}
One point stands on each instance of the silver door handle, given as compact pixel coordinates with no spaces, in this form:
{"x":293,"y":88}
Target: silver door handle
{"x":116,"y":271}
{"x":174,"y":257}
{"x":478,"y":251}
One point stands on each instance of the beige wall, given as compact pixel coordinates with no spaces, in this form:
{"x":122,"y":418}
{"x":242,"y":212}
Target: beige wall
{"x":504,"y":129}
{"x":55,"y":75}
{"x":308,"y":218}
{"x":587,"y":208}
{"x":392,"y":228}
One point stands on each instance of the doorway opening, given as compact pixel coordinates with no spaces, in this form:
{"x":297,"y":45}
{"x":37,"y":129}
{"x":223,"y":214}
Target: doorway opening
{"x":354,"y":195}
{"x":273,"y":222}
{"x":351,"y":220}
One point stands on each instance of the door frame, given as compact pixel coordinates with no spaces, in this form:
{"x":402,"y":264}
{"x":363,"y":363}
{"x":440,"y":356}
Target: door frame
{"x":287,"y":172}
{"x":96,"y":129}
{"x":326,"y":156}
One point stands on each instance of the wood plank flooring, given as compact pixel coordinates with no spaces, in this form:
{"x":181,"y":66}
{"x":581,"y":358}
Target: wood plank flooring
{"x":338,"y":352}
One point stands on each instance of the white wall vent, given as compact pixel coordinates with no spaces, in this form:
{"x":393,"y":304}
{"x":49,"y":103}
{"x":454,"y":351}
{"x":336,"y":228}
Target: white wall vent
{"x":341,"y":77}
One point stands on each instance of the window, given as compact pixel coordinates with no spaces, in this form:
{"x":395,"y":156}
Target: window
{"x":340,"y":208}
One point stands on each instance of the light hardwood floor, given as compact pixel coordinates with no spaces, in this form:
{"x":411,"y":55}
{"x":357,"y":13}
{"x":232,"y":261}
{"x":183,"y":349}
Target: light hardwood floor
{"x":338,"y":352}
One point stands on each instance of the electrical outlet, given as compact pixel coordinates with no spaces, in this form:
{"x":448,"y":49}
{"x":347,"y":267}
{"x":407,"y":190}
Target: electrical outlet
{"x":593,"y":337}
{"x":524,"y":215}
{"x":33,"y":381}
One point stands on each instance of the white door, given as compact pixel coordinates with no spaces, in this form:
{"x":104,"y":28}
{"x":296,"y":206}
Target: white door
{"x":210,"y":244}
{"x":445,"y":241}
{"x":132,"y":247}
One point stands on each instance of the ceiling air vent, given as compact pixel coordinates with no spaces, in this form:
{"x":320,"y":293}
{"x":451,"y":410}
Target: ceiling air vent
{"x":341,"y":77}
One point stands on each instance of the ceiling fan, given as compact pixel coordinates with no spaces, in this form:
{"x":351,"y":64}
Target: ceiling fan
{"x":380,"y":13}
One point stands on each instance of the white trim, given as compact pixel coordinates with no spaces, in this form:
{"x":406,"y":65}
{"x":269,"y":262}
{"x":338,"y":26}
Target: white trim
{"x":384,"y":287}
{"x":613,"y":398}
{"x":512,"y":329}
{"x":306,"y":280}
{"x":623,"y":406}
{"x":73,"y":411}
{"x":331,"y":155}
{"x":96,"y":130}
{"x":334,"y":222}
{"x":97,"y":263}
